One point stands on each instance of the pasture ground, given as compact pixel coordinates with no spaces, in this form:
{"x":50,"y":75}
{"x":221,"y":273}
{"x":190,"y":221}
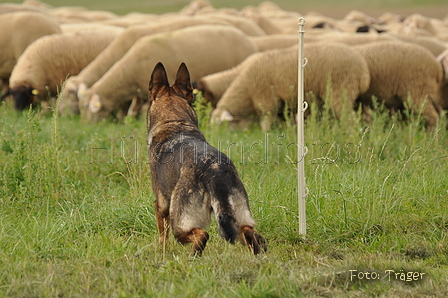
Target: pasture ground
{"x":77,"y":217}
{"x":77,"y":220}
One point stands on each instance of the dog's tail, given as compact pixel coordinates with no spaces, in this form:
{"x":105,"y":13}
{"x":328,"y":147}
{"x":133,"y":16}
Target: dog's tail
{"x":222,"y":207}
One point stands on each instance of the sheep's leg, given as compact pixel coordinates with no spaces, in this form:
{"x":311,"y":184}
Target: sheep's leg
{"x":5,"y":86}
{"x":431,"y":115}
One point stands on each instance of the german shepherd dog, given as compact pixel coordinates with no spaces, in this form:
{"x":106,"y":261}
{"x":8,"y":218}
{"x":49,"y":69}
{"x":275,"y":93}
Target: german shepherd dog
{"x":190,"y":178}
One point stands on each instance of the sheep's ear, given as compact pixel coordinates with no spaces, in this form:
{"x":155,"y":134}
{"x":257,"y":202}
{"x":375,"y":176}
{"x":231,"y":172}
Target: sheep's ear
{"x":158,"y":80}
{"x":443,"y":59}
{"x":226,"y":116}
{"x":95,"y":103}
{"x":81,"y":90}
{"x":182,"y":85}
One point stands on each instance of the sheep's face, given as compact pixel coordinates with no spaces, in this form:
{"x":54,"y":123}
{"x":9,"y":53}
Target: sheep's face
{"x":220,"y":116}
{"x":95,"y":108}
{"x":206,"y":93}
{"x":23,"y":97}
{"x":69,"y":100}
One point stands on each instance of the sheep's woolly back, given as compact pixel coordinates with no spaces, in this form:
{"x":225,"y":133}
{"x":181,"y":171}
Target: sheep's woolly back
{"x":244,"y":24}
{"x":18,"y":30}
{"x":431,"y":43}
{"x":51,"y":59}
{"x":124,"y":41}
{"x":342,"y":65}
{"x":263,"y":85}
{"x":399,"y":70}
{"x":352,"y":38}
{"x":410,"y":69}
{"x":275,"y":41}
{"x":205,"y":49}
{"x":83,"y":27}
{"x":214,"y":85}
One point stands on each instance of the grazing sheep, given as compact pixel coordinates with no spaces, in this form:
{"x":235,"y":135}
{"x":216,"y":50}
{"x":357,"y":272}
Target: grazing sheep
{"x":18,"y":30}
{"x":275,"y":41}
{"x":400,"y":71}
{"x":431,"y":43}
{"x":84,"y":27}
{"x":206,"y":48}
{"x":443,"y":59}
{"x":269,"y":84}
{"x":214,"y":85}
{"x":244,"y":24}
{"x":351,"y":38}
{"x":268,"y":26}
{"x":76,"y":85}
{"x":12,"y":7}
{"x":48,"y":61}
{"x":356,"y":15}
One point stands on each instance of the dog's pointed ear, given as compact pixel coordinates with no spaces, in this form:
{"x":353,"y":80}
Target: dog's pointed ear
{"x":182,"y":84}
{"x":158,"y":80}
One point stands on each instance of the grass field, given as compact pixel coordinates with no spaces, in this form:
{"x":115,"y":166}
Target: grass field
{"x":435,"y":8}
{"x":77,"y":219}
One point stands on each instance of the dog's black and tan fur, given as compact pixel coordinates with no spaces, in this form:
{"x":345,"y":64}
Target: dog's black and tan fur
{"x":190,"y":178}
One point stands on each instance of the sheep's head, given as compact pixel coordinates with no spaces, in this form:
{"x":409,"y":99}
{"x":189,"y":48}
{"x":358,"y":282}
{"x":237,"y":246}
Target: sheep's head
{"x":201,"y":86}
{"x":443,"y":59}
{"x":23,"y":96}
{"x":69,"y":98}
{"x":92,"y":107}
{"x":221,"y":115}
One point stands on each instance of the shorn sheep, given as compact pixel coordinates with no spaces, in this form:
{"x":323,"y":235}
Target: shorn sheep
{"x":207,"y":49}
{"x":268,"y":84}
{"x":214,"y":85}
{"x":443,"y":59}
{"x":401,"y":71}
{"x":76,"y":85}
{"x":18,"y":30}
{"x":47,"y":62}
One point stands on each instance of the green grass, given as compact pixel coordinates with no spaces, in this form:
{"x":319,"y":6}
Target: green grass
{"x":77,"y":217}
{"x":161,"y":6}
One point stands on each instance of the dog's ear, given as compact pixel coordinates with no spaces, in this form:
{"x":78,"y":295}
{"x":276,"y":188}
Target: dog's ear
{"x":182,"y":84}
{"x":158,"y":80}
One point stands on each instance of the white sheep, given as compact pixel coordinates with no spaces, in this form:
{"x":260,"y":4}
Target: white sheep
{"x":214,"y":85}
{"x":269,"y":84}
{"x":206,"y":49}
{"x":275,"y":41}
{"x":76,"y":85}
{"x":18,"y":30}
{"x":48,"y":61}
{"x":12,"y":7}
{"x":244,"y":24}
{"x":400,"y":71}
{"x":356,"y":15}
{"x":93,"y":26}
{"x":431,"y":43}
{"x":443,"y":59}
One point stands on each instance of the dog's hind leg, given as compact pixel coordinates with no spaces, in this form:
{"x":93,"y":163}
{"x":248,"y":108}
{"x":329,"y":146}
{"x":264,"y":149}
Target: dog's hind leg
{"x":163,"y":225}
{"x":254,"y":241}
{"x":197,"y":236}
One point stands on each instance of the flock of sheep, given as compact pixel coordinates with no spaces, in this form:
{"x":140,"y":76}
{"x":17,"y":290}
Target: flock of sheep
{"x":243,"y":61}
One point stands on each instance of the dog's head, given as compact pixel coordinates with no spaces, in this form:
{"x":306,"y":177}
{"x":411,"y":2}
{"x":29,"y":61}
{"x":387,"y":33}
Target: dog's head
{"x":173,"y":103}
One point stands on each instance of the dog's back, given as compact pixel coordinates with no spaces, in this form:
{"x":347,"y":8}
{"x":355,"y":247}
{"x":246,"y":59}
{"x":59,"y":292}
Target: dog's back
{"x":190,"y":177}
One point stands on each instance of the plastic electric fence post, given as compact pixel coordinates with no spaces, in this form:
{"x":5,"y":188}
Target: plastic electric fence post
{"x":301,"y":149}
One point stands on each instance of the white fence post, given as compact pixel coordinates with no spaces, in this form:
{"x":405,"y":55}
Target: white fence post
{"x":302,"y":150}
